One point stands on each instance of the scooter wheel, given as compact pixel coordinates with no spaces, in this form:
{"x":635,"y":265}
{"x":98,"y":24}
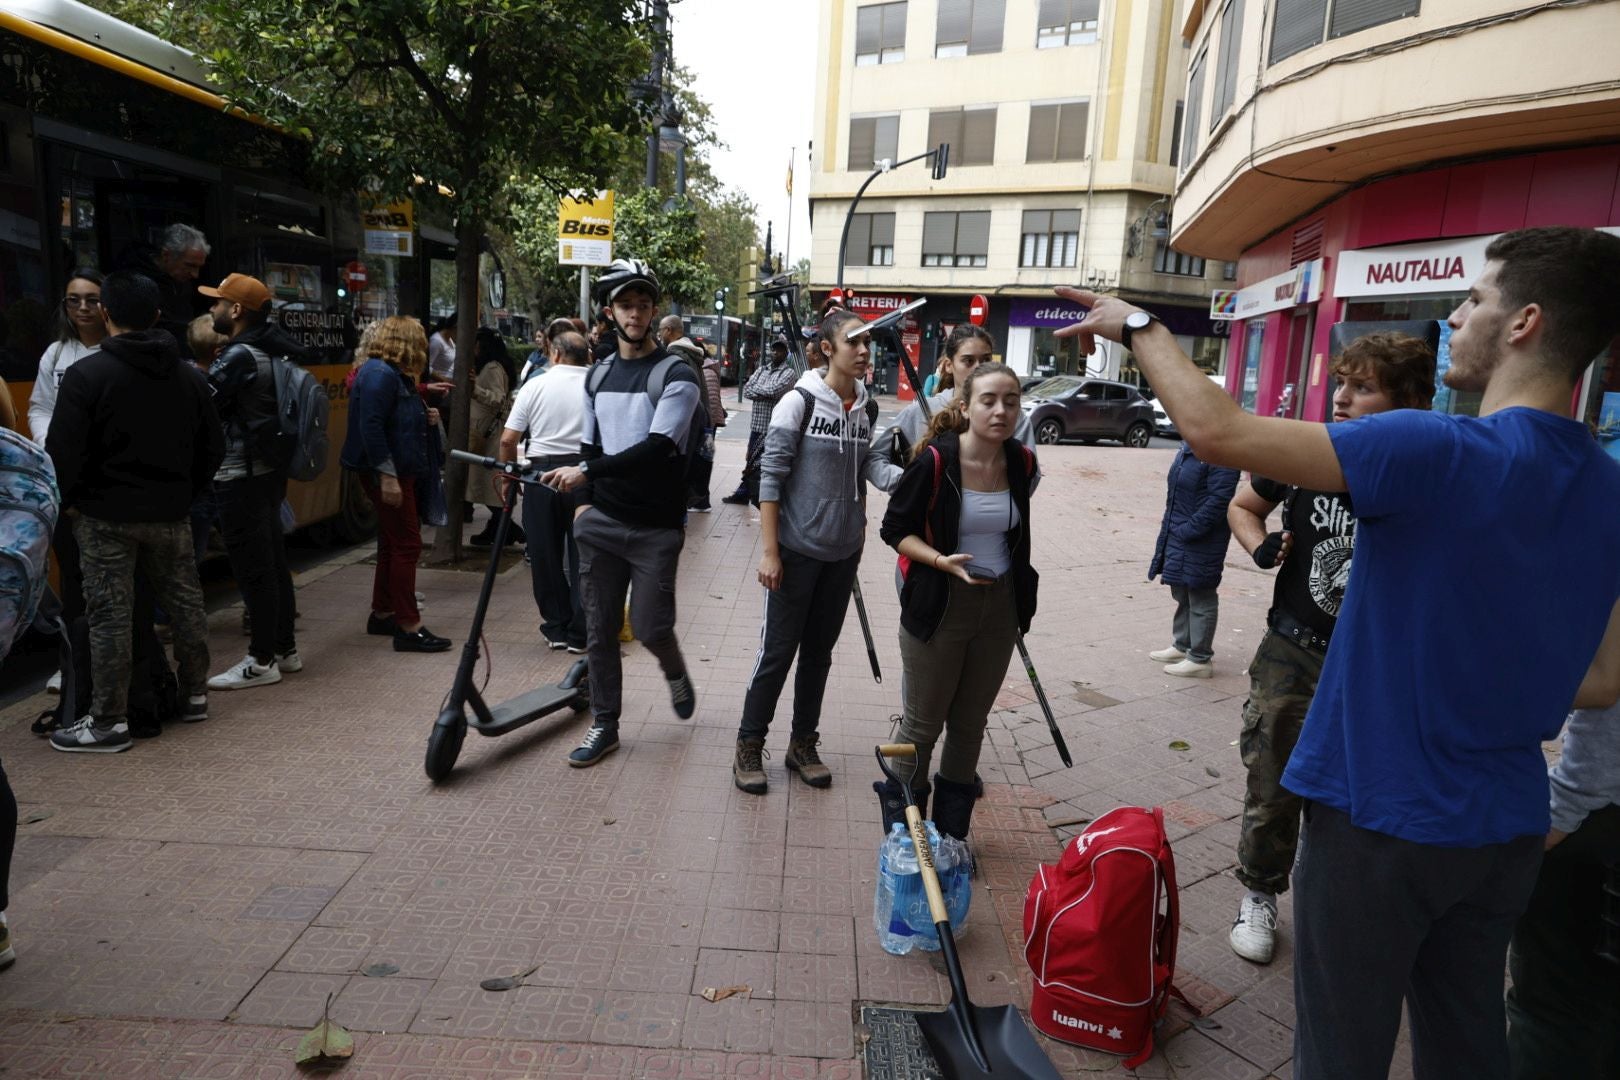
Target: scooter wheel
{"x":444,"y":745}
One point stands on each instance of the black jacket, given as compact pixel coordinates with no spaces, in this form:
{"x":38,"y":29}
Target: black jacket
{"x":135,"y":436}
{"x":926,"y":590}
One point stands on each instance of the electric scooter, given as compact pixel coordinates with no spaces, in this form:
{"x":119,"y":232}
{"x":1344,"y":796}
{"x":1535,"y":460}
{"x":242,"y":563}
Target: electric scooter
{"x":573,"y":692}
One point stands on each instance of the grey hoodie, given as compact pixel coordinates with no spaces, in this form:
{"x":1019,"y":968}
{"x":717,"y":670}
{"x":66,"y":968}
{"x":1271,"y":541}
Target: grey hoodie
{"x":1587,"y":777}
{"x":820,"y":480}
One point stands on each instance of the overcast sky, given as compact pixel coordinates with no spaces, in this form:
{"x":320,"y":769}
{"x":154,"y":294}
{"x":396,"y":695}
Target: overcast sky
{"x":755,"y":64}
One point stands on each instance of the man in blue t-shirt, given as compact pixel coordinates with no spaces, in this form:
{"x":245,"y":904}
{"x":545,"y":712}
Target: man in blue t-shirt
{"x":630,"y":516}
{"x":1482,"y":603}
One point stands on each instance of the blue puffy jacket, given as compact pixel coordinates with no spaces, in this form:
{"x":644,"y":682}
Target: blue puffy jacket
{"x":387,"y":420}
{"x":1194,"y":535}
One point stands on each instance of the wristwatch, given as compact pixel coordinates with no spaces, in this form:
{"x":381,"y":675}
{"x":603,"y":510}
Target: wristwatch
{"x":1136,"y":320}
{"x":585,"y":468}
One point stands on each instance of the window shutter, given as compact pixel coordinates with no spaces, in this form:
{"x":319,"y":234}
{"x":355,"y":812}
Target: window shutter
{"x":952,"y":26}
{"x":1195,"y":107}
{"x":1352,"y":15}
{"x":939,"y":233}
{"x":1043,"y":122}
{"x":1082,"y":12}
{"x":883,"y":230}
{"x":894,"y":26}
{"x":869,"y":30}
{"x":978,"y":137}
{"x":1071,"y":133}
{"x":988,"y":18}
{"x":1037,"y":221}
{"x":886,"y":139}
{"x":946,"y":126}
{"x":859,"y":250}
{"x":1297,"y":26}
{"x":861,"y":135}
{"x":1227,"y":67}
{"x":1066,"y":221}
{"x":1307,"y":242}
{"x":973,"y":233}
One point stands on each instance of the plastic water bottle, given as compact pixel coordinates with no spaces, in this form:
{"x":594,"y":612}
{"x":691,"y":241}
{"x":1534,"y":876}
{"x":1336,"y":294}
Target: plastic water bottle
{"x":900,"y":905}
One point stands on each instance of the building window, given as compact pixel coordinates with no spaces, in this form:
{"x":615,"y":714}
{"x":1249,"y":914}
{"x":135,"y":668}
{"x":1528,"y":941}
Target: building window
{"x":971,"y":133}
{"x":1175,"y":133}
{"x":880,"y":34}
{"x":956,"y":239}
{"x":1299,"y":24}
{"x":1051,"y":238}
{"x":969,"y":27}
{"x":1226,"y":63}
{"x":1066,"y":22}
{"x":1167,"y":260}
{"x":871,"y":240}
{"x":1195,"y":99}
{"x":873,"y":139}
{"x":1229,"y":271}
{"x":1058,"y":132}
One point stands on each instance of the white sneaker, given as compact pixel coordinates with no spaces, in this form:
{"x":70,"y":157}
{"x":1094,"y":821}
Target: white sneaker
{"x":1191,"y":669}
{"x":1167,"y":656}
{"x":1254,"y":934}
{"x":248,"y":673}
{"x":53,"y":685}
{"x":290,"y":661}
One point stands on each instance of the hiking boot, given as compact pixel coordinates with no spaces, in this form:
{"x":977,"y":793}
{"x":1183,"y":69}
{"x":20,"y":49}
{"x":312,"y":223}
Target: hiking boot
{"x":88,"y":737}
{"x":195,"y":710}
{"x":803,"y":759}
{"x":683,"y":696}
{"x":246,"y":675}
{"x":289,"y":661}
{"x":1167,"y":656}
{"x":1254,"y":931}
{"x":1191,"y":669}
{"x":381,"y":625}
{"x":748,"y":768}
{"x":599,"y":742}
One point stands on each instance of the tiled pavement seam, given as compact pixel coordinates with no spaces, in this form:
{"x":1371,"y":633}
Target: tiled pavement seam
{"x":231,"y":872}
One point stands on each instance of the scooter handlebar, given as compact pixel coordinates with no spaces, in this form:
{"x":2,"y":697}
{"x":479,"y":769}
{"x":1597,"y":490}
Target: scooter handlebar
{"x":517,"y":469}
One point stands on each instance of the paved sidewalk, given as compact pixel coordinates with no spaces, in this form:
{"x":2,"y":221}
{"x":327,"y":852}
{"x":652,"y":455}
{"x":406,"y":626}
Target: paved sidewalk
{"x":184,"y":909}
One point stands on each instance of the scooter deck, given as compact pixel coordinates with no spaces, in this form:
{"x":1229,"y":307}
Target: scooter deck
{"x":526,"y":708}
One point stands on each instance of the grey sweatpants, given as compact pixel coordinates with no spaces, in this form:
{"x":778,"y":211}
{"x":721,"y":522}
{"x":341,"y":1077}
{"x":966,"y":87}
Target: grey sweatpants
{"x":615,"y":558}
{"x":1194,"y":624}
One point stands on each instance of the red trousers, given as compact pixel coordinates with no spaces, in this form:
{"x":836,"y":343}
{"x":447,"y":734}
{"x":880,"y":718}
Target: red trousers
{"x":399,"y":544}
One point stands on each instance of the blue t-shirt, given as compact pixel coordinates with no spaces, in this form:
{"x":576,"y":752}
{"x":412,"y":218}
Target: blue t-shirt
{"x":1486,"y":566}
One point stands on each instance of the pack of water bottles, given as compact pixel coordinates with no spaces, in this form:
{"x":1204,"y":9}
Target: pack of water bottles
{"x":900,"y":904}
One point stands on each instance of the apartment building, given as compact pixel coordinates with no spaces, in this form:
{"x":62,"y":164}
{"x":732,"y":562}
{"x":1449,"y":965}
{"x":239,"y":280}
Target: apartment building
{"x":1356,"y":157}
{"x":1062,"y":119}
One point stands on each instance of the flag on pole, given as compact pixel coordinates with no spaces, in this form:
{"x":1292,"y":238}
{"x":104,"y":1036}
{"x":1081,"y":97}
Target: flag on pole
{"x":790,"y":173}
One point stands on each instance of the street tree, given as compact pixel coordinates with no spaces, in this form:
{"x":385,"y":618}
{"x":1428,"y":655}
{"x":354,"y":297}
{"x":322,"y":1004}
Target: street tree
{"x":431,"y":99}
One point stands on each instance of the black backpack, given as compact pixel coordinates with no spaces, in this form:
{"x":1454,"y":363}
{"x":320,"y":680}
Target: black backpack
{"x":656,"y":381}
{"x":288,"y":429}
{"x":751,"y":466}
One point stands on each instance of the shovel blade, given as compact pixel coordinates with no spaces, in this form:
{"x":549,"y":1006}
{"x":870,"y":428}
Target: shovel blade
{"x":1009,"y":1048}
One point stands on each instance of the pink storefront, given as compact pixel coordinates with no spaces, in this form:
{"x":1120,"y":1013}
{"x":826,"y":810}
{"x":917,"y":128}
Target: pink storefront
{"x":1402,"y":250}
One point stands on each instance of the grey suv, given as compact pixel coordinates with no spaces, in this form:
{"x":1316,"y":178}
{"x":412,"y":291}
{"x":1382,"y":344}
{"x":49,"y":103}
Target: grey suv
{"x":1074,"y":407}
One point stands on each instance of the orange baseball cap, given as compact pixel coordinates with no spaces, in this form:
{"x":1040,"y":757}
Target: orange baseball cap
{"x":250,"y":292}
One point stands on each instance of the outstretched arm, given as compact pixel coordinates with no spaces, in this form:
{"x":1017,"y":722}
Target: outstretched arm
{"x":1219,"y":432}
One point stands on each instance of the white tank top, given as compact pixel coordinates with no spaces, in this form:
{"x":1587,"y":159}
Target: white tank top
{"x":987,"y":517}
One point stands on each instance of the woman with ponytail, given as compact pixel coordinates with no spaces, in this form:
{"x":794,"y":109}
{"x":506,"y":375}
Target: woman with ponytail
{"x":960,"y":521}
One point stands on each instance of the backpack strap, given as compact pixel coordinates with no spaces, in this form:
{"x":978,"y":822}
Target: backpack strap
{"x":933,"y":495}
{"x":658,"y":377}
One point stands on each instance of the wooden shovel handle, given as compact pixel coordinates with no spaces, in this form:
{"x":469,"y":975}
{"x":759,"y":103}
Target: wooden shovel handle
{"x":925,"y":862}
{"x":897,"y":749}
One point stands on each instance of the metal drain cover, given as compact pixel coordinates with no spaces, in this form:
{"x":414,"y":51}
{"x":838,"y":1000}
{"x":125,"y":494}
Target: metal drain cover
{"x":895,"y":1049}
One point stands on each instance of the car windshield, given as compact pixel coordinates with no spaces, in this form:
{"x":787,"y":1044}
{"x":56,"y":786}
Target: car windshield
{"x":1053,"y":388}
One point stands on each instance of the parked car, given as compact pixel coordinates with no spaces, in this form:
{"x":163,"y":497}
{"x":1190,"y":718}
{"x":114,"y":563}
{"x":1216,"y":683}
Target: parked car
{"x":1163,"y":426}
{"x":1026,"y":382}
{"x":1074,"y":407}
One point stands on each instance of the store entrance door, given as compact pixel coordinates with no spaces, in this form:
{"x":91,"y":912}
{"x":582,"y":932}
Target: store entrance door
{"x":1301,"y":332}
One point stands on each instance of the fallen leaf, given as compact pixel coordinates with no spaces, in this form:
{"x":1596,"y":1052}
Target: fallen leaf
{"x":377,"y":971}
{"x":1213,"y":771}
{"x":1180,"y":744}
{"x":508,"y":982}
{"x":711,"y":994}
{"x":609,"y":820}
{"x":326,"y":1044}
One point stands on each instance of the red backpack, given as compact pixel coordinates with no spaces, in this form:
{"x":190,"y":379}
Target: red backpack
{"x":1100,"y":933}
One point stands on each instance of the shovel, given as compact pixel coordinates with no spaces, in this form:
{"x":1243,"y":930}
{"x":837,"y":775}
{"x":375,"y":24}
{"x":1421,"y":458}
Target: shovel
{"x":967,"y":1040}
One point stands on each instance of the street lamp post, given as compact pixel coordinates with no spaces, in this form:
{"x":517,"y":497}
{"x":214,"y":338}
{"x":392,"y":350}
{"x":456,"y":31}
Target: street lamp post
{"x":939,"y":155}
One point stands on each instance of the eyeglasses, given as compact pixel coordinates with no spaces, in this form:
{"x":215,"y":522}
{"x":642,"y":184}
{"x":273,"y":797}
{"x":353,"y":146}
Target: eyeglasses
{"x":81,"y":301}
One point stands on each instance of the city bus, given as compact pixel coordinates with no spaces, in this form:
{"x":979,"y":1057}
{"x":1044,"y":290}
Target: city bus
{"x":108,"y":135}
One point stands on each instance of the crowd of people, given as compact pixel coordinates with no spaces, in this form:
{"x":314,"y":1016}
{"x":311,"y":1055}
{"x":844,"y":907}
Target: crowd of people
{"x":1392,"y":733}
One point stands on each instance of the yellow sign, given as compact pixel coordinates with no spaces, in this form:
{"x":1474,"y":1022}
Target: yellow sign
{"x":390,"y":228}
{"x":585,"y":230}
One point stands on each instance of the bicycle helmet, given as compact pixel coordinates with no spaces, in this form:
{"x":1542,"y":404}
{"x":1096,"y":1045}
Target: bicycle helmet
{"x":622,"y":274}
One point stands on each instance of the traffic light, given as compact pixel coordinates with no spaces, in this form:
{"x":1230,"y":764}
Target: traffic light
{"x":720,"y":300}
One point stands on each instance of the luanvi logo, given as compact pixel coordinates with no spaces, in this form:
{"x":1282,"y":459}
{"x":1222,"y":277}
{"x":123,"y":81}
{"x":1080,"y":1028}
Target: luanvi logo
{"x":1086,"y":1025}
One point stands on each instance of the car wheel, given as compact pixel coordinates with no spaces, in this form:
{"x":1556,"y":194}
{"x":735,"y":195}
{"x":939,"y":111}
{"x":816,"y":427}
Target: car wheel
{"x":1138,"y":434}
{"x":1049,"y":432}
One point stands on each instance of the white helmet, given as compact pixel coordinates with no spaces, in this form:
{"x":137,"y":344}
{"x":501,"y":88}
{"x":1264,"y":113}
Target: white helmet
{"x":622,"y":274}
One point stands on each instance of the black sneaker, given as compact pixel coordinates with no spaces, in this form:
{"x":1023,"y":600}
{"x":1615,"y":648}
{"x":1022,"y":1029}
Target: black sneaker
{"x":87,"y":737}
{"x":599,"y":742}
{"x":683,"y":695}
{"x":554,"y":643}
{"x":703,"y":507}
{"x":736,"y":498}
{"x":576,"y":650}
{"x":381,"y":625}
{"x":195,"y":710}
{"x":419,"y":640}
{"x":144,"y":724}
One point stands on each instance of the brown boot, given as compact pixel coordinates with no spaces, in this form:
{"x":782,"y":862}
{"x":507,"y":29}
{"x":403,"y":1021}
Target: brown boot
{"x":748,"y":769}
{"x":803,"y":759}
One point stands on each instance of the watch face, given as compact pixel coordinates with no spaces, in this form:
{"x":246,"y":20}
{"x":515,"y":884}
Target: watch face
{"x":1136,"y":320}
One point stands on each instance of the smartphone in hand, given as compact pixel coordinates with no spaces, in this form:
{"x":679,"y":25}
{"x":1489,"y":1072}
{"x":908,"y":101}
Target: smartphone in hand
{"x":980,"y":573}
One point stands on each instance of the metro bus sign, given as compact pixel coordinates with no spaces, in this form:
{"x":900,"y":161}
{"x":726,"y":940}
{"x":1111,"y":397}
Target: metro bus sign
{"x":978,"y":310}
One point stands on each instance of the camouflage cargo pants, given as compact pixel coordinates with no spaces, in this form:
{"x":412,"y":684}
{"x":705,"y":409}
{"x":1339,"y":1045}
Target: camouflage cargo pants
{"x":110,"y":552}
{"x":1282,"y":681}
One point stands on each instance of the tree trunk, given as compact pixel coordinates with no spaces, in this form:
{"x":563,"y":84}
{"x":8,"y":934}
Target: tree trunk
{"x":469,"y":233}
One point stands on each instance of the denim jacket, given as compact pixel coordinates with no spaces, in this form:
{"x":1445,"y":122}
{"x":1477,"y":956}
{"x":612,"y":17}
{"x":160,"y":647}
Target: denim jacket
{"x":388,"y":428}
